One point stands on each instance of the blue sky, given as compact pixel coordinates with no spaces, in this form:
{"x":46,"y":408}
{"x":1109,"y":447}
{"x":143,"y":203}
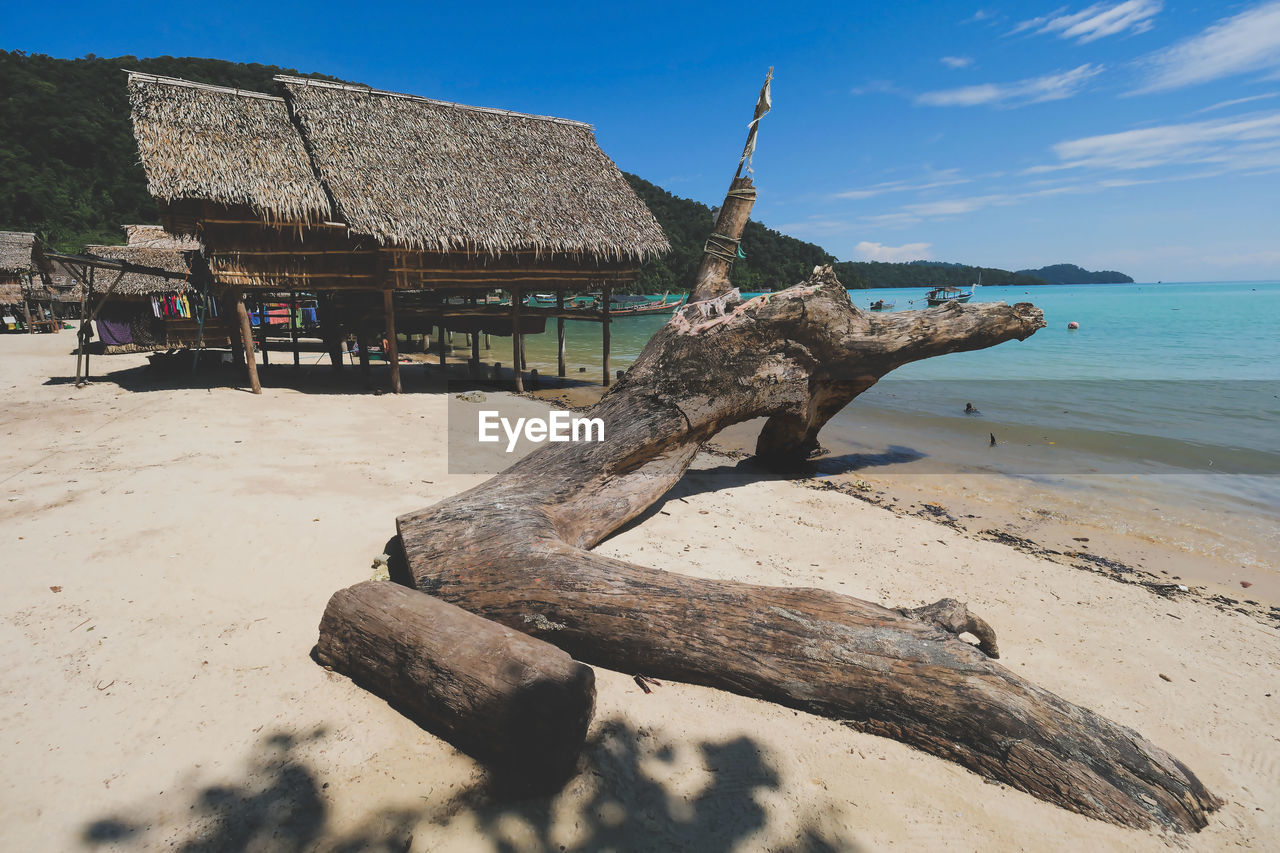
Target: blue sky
{"x":1141,"y":135}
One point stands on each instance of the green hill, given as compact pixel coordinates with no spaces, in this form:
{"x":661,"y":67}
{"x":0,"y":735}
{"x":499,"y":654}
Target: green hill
{"x":1072,"y":274}
{"x":69,"y":170}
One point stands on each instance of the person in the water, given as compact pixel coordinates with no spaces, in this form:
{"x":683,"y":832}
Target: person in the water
{"x":970,"y":410}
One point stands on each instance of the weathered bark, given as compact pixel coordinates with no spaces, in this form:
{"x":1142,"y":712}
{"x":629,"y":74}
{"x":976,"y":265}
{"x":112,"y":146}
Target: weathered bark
{"x":517,"y":703}
{"x":515,"y":550}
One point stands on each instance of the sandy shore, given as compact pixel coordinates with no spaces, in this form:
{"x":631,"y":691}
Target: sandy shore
{"x":169,"y":546}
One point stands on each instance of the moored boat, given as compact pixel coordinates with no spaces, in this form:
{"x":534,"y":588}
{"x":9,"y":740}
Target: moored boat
{"x":943,"y":295}
{"x":881,"y":305}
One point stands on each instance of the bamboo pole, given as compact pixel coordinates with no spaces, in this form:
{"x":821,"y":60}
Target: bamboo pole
{"x":293,"y":327}
{"x":393,"y":353}
{"x":517,"y":340}
{"x":560,"y":334}
{"x":604,"y":333}
{"x":246,"y":337}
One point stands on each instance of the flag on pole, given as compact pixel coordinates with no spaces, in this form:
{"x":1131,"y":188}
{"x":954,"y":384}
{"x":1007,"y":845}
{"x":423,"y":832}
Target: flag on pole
{"x":763,"y":104}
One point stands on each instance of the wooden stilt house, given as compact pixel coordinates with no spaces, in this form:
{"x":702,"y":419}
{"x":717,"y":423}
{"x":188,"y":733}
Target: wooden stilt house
{"x":355,"y":193}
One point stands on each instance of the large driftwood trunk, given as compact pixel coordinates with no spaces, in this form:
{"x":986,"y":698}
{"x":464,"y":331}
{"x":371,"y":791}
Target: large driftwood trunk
{"x":516,"y":549}
{"x":519,"y":704}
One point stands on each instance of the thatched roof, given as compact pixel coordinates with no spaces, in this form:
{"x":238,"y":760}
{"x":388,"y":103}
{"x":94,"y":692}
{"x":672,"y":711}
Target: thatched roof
{"x":431,"y":175}
{"x":16,"y":251}
{"x":410,"y":172}
{"x":223,"y":145}
{"x":138,"y":284}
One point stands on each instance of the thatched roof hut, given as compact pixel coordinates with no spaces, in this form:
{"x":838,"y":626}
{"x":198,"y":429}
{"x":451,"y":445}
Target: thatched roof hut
{"x":363,"y":189}
{"x":17,"y":264}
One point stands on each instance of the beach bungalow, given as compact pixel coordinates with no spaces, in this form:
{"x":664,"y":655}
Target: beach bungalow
{"x":353,"y":193}
{"x":25,"y":302}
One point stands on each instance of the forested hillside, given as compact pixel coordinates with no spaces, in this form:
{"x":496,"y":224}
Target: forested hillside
{"x":68,"y":164}
{"x":69,"y":170}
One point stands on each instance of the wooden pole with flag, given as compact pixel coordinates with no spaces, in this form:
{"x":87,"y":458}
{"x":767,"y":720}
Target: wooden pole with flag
{"x":722,"y":247}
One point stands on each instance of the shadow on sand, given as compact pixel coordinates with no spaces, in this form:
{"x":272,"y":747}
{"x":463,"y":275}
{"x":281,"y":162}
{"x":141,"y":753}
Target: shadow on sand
{"x":314,"y":375}
{"x":627,"y":796}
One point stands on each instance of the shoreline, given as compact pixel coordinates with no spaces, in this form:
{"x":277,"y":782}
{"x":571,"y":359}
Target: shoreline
{"x":975,"y":504}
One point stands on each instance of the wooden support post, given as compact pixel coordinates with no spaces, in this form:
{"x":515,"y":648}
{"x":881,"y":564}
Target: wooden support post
{"x":517,"y":340}
{"x":524,"y":362}
{"x":604,"y":334}
{"x":444,"y":345}
{"x":293,"y":326}
{"x":82,"y":352}
{"x":330,"y":329}
{"x":475,"y":349}
{"x":393,"y":348}
{"x":486,"y":340}
{"x":26,"y":315}
{"x":362,"y":341}
{"x":246,"y":336}
{"x":560,"y":334}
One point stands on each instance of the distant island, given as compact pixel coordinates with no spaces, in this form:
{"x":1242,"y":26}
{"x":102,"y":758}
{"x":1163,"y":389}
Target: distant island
{"x":1072,"y":274}
{"x":73,"y":176}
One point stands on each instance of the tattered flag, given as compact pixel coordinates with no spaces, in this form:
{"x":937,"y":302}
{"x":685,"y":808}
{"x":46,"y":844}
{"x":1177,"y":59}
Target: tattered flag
{"x":763,"y":105}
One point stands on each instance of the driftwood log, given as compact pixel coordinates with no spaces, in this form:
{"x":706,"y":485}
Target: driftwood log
{"x":520,"y":705}
{"x":516,"y":550}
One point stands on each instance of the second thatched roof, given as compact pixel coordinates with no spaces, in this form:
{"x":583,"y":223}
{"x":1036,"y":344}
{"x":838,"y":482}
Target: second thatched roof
{"x":139,"y":284}
{"x":410,"y":172}
{"x":16,"y":249}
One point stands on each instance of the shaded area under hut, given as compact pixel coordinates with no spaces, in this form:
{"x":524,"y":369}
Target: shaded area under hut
{"x":395,"y":212}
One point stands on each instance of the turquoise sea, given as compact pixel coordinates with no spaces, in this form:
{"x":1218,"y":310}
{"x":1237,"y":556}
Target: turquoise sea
{"x":1167,"y":393}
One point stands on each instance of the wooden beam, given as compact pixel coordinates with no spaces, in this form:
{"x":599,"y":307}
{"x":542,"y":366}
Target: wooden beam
{"x":560,"y":334}
{"x":517,"y":340}
{"x":393,"y":348}
{"x":246,"y":337}
{"x":293,"y":326}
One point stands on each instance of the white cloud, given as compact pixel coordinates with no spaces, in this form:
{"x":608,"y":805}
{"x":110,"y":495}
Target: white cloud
{"x":944,"y":179}
{"x":1249,"y":41}
{"x":957,"y":61}
{"x":1235,"y":102}
{"x":1097,"y":21}
{"x":868,"y":251}
{"x":1034,"y":90}
{"x":1250,"y":141}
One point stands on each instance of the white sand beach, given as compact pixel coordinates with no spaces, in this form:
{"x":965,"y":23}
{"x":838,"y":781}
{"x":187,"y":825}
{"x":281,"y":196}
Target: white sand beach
{"x":168,"y":549}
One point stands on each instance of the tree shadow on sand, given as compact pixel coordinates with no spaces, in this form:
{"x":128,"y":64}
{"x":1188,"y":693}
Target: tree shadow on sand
{"x":631,"y":794}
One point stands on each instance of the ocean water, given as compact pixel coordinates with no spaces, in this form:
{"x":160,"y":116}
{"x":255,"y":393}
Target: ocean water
{"x":1168,"y":394}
